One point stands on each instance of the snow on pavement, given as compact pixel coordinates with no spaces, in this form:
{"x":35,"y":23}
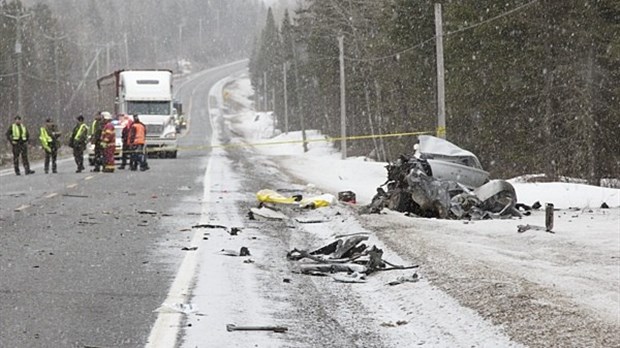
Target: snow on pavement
{"x":580,"y":260}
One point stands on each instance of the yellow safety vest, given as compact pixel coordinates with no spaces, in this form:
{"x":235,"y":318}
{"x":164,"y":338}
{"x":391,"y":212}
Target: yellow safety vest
{"x":16,"y":135}
{"x":83,"y":128}
{"x":45,"y":139}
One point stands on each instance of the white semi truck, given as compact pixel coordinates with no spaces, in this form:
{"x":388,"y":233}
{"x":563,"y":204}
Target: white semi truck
{"x":148,"y":94}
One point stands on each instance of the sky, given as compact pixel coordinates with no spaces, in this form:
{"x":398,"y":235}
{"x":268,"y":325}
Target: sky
{"x":566,"y":261}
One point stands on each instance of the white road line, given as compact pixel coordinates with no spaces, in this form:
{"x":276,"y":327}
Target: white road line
{"x":72,"y":185}
{"x":53,"y":194}
{"x":166,"y":329}
{"x":88,"y":177}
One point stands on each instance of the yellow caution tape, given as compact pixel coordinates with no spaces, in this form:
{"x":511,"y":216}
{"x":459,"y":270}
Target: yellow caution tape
{"x":441,"y":132}
{"x":297,"y":141}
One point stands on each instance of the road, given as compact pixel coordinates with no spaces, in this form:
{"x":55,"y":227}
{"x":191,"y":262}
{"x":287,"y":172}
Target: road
{"x":85,"y":259}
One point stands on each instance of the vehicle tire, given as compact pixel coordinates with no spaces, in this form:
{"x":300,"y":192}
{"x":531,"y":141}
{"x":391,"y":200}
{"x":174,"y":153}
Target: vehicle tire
{"x":173,"y":154}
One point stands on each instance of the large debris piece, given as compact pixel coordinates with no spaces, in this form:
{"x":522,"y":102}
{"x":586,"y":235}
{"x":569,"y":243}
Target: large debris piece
{"x":350,"y":256}
{"x":420,"y":185}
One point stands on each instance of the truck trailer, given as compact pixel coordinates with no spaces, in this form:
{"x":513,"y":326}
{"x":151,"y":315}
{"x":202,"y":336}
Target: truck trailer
{"x":148,"y":94}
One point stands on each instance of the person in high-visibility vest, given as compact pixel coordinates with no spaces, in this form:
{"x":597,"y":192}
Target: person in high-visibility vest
{"x":95,"y":139}
{"x":137,"y":140}
{"x":48,"y":136}
{"x":79,"y":138}
{"x":17,"y":134}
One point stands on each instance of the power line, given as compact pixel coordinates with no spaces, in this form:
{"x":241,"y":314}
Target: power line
{"x":396,"y":54}
{"x":492,"y":18}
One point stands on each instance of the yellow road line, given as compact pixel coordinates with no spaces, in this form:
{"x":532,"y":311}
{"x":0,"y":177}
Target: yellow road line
{"x":51,"y":195}
{"x":72,"y":185}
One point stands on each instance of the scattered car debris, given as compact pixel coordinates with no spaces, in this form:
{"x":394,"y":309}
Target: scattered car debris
{"x":147,"y":211}
{"x":347,"y":196}
{"x":189,"y":248}
{"x":412,"y":279}
{"x":311,"y":221}
{"x":248,"y":261}
{"x":350,"y":278}
{"x":208,"y":226}
{"x":268,"y":213}
{"x":278,"y":329}
{"x":177,"y":308}
{"x":74,"y":195}
{"x":523,"y":228}
{"x":234,"y":231}
{"x":82,"y":222}
{"x":244,"y":251}
{"x":604,"y":205}
{"x":391,"y":324}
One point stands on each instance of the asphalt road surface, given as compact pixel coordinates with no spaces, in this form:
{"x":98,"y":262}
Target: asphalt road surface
{"x":86,"y":258}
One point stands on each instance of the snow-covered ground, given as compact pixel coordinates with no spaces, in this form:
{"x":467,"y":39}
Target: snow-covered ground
{"x":575,"y":270}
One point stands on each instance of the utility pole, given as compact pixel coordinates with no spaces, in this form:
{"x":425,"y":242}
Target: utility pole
{"x":343,"y":111}
{"x":18,"y":52}
{"x":56,"y":73}
{"x":441,"y":96}
{"x":126,"y":51}
{"x":181,"y":25}
{"x":285,"y":99}
{"x":264,"y":91}
{"x":107,"y":57}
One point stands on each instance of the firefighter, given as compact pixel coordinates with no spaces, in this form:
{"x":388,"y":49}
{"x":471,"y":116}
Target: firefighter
{"x":95,"y":139}
{"x":48,"y":136}
{"x":17,"y":134}
{"x":126,"y":151}
{"x":137,"y":139}
{"x":79,"y":138}
{"x":108,"y":142}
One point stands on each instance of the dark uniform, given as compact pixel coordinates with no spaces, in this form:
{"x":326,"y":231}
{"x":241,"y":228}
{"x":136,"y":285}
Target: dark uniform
{"x":48,"y":136}
{"x":79,"y":138}
{"x":17,"y":134}
{"x":95,"y":139}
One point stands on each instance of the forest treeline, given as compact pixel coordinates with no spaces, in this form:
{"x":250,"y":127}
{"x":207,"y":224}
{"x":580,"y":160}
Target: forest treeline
{"x":530,"y":86}
{"x":63,"y":46}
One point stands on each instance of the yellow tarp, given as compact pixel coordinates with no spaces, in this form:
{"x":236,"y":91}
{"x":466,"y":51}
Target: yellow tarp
{"x":271,"y":196}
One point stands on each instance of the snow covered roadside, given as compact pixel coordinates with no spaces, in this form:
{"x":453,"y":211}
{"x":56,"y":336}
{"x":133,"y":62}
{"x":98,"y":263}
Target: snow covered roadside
{"x":317,"y":311}
{"x":576,"y":270}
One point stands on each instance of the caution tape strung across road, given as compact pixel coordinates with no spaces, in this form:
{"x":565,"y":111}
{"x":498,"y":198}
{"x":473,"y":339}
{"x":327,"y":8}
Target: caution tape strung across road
{"x":285,"y":142}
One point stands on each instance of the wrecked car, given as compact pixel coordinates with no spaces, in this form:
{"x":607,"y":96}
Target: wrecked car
{"x":449,"y":162}
{"x":443,"y":181}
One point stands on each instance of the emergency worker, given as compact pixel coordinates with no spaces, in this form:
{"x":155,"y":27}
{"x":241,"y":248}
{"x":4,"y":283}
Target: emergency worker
{"x":48,"y":136}
{"x":95,"y":139}
{"x":137,"y":139}
{"x":108,"y":142}
{"x":79,"y":138}
{"x":17,"y":134}
{"x":126,"y":145}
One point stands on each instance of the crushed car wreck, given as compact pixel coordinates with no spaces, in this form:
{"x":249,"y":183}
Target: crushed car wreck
{"x":443,"y":181}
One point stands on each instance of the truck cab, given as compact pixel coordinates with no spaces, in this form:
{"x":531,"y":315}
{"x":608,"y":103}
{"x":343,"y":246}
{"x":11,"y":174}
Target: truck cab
{"x":148,"y":94}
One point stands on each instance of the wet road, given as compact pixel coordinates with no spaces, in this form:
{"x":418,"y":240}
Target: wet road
{"x":85,"y":259}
